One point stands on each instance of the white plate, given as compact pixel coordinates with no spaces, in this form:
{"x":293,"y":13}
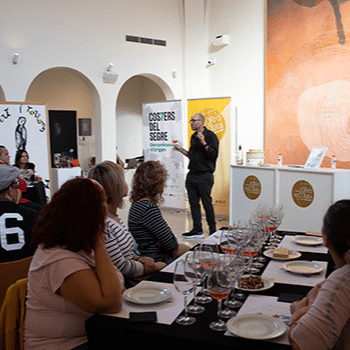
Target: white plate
{"x":268,"y":283}
{"x":256,"y":326}
{"x":147,"y":295}
{"x":292,"y":254}
{"x":308,"y":240}
{"x":303,"y":267}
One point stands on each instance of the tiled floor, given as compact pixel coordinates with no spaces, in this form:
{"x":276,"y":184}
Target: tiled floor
{"x":179,"y":221}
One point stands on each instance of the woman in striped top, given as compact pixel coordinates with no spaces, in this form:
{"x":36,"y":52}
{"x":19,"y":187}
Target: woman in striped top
{"x":146,"y":223}
{"x":119,"y":242}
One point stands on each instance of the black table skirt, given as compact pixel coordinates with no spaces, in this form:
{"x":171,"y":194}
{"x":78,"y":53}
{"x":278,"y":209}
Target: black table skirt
{"x":105,"y":332}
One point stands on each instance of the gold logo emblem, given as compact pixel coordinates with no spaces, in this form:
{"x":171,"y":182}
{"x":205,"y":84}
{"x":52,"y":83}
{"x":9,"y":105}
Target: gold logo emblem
{"x":252,"y":187}
{"x":302,"y":193}
{"x":214,"y":121}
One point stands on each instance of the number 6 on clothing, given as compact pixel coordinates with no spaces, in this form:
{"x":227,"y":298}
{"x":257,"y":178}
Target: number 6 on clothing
{"x":12,"y":230}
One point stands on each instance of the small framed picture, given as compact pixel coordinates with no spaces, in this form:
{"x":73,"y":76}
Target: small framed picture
{"x":84,"y":127}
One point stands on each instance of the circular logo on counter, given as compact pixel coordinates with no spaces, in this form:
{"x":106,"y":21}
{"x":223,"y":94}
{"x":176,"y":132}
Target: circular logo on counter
{"x":252,"y":187}
{"x":302,"y":193}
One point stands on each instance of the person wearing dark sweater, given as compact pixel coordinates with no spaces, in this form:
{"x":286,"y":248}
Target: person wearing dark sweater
{"x":203,"y":153}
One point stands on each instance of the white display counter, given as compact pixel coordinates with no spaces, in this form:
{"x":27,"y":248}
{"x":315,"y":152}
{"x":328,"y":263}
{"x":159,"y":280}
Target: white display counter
{"x":61,"y":175}
{"x":305,"y":194}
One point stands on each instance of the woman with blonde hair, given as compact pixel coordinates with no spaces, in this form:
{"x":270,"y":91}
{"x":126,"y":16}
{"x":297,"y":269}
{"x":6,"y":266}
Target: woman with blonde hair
{"x":119,"y":242}
{"x":146,"y":223}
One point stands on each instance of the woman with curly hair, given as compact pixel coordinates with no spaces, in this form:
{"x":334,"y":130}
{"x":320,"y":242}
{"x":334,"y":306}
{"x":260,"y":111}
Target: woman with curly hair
{"x":119,"y":242}
{"x":71,"y":275}
{"x":146,"y":223}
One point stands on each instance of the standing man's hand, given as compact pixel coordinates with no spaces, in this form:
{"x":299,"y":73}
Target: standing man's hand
{"x":181,"y":150}
{"x":201,"y":138}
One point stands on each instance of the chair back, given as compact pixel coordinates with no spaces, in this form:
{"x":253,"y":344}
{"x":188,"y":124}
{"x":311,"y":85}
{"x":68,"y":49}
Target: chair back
{"x":10,"y":272}
{"x":12,"y":316}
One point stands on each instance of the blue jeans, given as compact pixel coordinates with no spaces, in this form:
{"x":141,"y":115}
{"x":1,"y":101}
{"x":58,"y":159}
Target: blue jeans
{"x":199,"y":186}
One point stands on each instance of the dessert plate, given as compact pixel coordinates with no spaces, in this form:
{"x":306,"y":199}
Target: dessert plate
{"x":292,"y":254}
{"x":308,"y":240}
{"x":303,"y":267}
{"x":268,"y":283}
{"x":147,"y":295}
{"x":256,"y":326}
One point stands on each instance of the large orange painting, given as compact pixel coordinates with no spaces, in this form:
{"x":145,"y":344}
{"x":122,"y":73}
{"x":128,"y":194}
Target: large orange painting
{"x":308,"y":80}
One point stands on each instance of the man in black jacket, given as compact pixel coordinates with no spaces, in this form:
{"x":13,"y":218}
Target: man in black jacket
{"x":16,"y":221}
{"x":203,"y":153}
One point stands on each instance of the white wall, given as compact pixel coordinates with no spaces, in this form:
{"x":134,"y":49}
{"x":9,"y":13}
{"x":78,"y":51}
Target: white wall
{"x":86,"y":35}
{"x":239,"y":69}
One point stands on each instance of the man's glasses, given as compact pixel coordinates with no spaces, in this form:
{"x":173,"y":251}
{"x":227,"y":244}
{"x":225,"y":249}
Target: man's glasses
{"x":194,"y":120}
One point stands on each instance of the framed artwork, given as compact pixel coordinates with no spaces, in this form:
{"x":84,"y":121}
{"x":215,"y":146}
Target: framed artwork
{"x":307,"y":80}
{"x":84,"y":126}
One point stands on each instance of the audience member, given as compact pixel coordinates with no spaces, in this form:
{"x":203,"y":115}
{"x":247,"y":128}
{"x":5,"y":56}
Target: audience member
{"x":119,"y":242}
{"x":21,"y":184}
{"x":322,"y":319}
{"x":72,"y":275}
{"x":27,"y":168}
{"x":4,"y":155}
{"x":146,"y":223}
{"x":16,"y":221}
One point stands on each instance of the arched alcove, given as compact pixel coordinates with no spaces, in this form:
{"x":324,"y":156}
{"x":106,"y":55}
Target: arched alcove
{"x":135,"y":91}
{"x":62,"y":88}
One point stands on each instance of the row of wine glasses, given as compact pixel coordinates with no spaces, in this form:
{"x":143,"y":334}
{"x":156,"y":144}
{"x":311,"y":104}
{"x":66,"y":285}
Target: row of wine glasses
{"x":220,"y":271}
{"x":190,"y":273}
{"x":217,"y":273}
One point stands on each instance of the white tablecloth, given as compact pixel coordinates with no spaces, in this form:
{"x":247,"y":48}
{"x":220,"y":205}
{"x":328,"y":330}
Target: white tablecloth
{"x":278,"y":274}
{"x":167,"y":311}
{"x":262,"y":304}
{"x":287,"y":242}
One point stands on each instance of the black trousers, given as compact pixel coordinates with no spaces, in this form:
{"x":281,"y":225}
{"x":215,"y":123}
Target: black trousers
{"x":199,"y":186}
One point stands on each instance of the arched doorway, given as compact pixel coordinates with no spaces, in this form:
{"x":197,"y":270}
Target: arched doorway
{"x":64,"y":88}
{"x":135,"y":91}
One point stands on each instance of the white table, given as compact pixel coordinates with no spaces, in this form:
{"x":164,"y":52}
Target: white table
{"x":305,"y":194}
{"x":61,"y":175}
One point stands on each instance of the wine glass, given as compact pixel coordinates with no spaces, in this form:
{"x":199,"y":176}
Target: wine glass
{"x":240,"y":261}
{"x":221,"y":279}
{"x":263,"y":236}
{"x":252,"y":248}
{"x":205,"y":256}
{"x":183,"y":286}
{"x":227,"y":242}
{"x":194,"y":274}
{"x":272,"y":224}
{"x":240,"y":233}
{"x":245,"y":263}
{"x":228,"y":246}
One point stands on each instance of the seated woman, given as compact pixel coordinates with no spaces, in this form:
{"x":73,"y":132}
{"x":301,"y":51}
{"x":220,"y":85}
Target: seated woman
{"x":27,"y":168}
{"x":322,"y":319}
{"x":119,"y":242}
{"x":72,"y":275}
{"x":146,"y":223}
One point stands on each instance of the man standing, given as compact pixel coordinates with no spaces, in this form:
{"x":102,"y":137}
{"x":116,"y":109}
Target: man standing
{"x":203,"y":152}
{"x":16,"y":221}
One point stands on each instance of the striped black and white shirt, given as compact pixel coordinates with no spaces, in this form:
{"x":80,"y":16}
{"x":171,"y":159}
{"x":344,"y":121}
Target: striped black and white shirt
{"x":150,"y":231}
{"x":120,"y":246}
